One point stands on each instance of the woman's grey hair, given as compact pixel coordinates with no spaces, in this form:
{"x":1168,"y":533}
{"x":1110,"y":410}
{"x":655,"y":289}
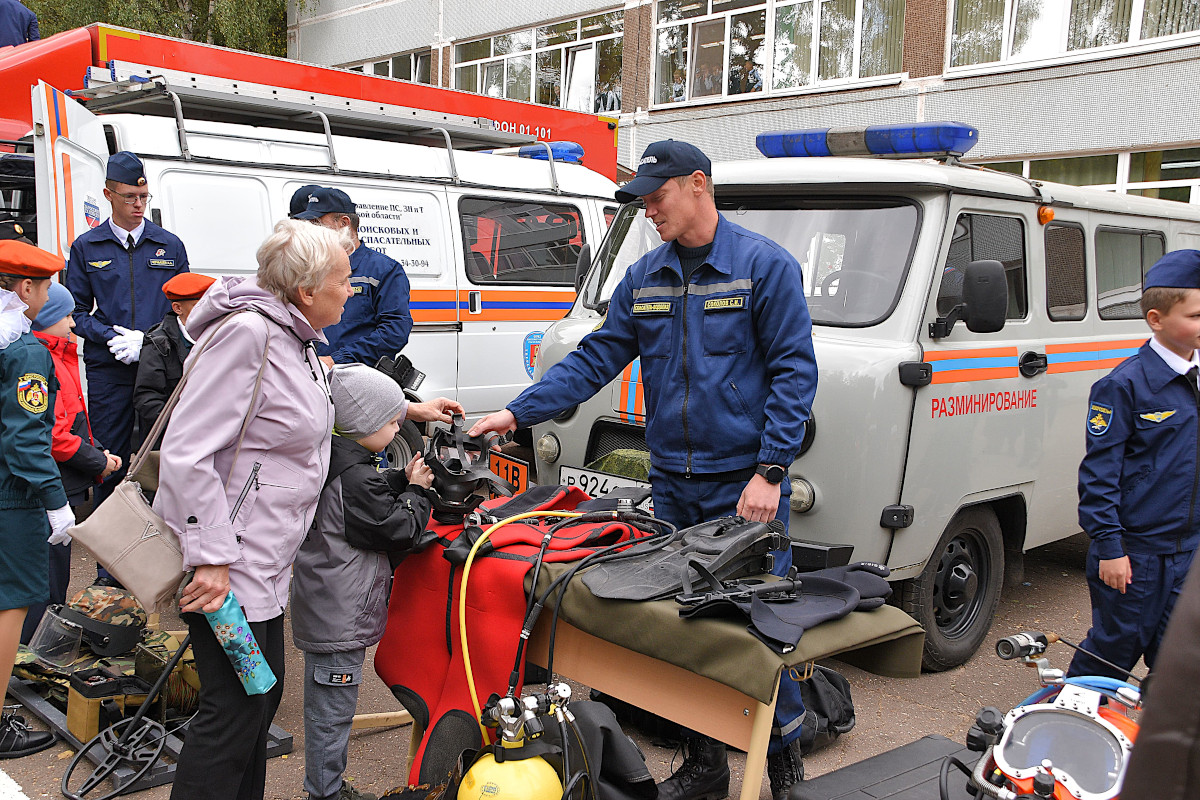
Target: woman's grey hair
{"x":299,"y":255}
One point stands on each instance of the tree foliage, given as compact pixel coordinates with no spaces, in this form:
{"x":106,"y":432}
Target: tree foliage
{"x":256,"y":25}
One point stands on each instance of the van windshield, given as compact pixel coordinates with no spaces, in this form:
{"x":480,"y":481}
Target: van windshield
{"x":854,"y":254}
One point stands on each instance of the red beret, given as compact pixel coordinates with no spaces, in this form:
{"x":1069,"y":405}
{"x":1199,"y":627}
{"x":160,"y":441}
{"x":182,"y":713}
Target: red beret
{"x":187,"y":286}
{"x":19,"y":258}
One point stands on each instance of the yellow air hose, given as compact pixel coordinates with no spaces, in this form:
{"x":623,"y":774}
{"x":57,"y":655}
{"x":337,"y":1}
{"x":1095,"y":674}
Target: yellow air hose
{"x":462,"y":601}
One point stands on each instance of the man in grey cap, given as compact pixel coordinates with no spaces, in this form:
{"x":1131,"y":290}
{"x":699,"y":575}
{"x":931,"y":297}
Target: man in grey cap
{"x":718,"y":316}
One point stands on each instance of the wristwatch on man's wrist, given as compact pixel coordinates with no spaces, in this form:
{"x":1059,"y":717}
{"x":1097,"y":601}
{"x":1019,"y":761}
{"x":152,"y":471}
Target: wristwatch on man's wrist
{"x":772,"y":472}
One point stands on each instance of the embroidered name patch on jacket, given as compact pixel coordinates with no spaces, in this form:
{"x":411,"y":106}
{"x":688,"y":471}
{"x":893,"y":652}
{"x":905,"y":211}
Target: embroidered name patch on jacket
{"x":660,"y":307}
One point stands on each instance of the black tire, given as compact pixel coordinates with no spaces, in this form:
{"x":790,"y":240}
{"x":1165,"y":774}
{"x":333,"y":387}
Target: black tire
{"x":956,"y":595}
{"x":407,"y":443}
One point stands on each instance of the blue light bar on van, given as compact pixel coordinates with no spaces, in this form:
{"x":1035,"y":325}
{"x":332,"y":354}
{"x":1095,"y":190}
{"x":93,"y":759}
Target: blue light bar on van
{"x":568,"y":152}
{"x":894,"y":141}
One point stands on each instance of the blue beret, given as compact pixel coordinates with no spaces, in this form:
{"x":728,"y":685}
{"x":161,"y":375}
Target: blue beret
{"x":1178,"y":269}
{"x":125,"y":167}
{"x":59,"y":304}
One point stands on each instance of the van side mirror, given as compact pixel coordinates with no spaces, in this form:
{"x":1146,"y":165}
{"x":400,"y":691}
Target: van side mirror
{"x":582,"y":266}
{"x":984,"y":305}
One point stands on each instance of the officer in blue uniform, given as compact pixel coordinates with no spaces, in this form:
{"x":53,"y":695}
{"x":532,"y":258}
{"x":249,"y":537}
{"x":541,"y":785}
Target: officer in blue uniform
{"x":1139,"y":482}
{"x":376,"y":321}
{"x":33,"y":505}
{"x":719,"y":319}
{"x":116,"y":272}
{"x":18,"y":24}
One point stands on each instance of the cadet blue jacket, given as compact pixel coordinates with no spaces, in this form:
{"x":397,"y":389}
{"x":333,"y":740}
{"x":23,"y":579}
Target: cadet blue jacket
{"x":728,"y":370}
{"x":18,"y":25}
{"x":1138,"y":481}
{"x":126,"y":290}
{"x":29,"y":476}
{"x":376,"y":321}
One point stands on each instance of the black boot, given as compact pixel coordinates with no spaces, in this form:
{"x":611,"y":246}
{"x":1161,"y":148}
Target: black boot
{"x":18,"y":739}
{"x":784,"y":769}
{"x":704,"y":774}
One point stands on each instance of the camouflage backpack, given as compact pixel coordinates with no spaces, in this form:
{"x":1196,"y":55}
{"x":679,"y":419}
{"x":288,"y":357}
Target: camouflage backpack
{"x":111,"y":618}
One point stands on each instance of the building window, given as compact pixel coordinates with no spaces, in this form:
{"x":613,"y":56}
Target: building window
{"x":730,"y":48}
{"x":1046,"y":28}
{"x":1163,"y":174}
{"x":416,"y":67}
{"x":574,"y":64}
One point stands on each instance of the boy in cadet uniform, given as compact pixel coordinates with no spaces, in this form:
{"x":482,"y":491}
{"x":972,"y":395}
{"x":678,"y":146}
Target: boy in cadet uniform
{"x":1139,"y":482}
{"x":160,"y":367}
{"x":116,"y":272}
{"x":366,"y":521}
{"x":376,"y":321}
{"x":82,"y":461}
{"x":33,"y":506}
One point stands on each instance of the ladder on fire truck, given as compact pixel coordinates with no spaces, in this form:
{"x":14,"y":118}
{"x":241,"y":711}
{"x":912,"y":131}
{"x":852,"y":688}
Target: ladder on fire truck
{"x":135,"y":88}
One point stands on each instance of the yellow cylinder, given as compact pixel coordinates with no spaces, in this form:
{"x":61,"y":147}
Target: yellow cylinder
{"x":527,"y":779}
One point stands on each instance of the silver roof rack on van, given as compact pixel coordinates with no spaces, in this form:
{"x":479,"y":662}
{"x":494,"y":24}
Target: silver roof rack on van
{"x":138,"y":89}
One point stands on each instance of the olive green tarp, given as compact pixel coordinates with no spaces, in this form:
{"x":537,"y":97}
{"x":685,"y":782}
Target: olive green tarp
{"x":885,"y":641}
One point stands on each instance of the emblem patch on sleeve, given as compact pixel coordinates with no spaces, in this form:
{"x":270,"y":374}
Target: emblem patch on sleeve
{"x":1099,"y":418}
{"x":33,"y":393}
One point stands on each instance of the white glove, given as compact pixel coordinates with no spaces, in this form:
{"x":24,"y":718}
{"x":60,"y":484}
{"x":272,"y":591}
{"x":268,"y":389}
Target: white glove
{"x":61,"y":519}
{"x":126,"y":346}
{"x":13,"y":321}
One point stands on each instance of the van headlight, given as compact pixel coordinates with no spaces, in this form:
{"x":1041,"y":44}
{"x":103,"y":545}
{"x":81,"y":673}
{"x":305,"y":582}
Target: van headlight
{"x":804,"y":496}
{"x":547,"y":448}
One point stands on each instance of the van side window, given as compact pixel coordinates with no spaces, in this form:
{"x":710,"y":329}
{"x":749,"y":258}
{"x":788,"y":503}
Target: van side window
{"x":1066,"y":273}
{"x":520,"y":241}
{"x":1122,"y":258}
{"x":981,"y":237}
{"x":610,"y":213}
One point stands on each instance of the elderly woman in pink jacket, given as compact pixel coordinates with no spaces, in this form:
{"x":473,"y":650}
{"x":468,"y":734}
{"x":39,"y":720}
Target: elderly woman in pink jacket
{"x":242,"y":510}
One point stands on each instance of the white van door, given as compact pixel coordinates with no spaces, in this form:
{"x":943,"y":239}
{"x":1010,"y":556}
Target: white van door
{"x":519,"y":256}
{"x":409,"y":225}
{"x":71,"y":155}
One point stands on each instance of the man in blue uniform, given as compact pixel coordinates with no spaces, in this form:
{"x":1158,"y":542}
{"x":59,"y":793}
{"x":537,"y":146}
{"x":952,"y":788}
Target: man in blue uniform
{"x":376,"y":321}
{"x":116,"y":272}
{"x":719,"y":319}
{"x":18,"y":24}
{"x":1139,"y":482}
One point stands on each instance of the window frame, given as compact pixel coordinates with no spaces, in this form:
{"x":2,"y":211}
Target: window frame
{"x":766,"y":59}
{"x":1141,"y":233}
{"x":1135,"y":44}
{"x":545,"y":203}
{"x":1088,"y":269}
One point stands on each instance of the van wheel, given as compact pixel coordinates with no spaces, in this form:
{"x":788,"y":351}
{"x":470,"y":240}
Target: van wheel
{"x":407,"y":443}
{"x":956,"y":595}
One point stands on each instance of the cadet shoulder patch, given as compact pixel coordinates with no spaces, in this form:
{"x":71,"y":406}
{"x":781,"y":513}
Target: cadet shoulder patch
{"x":1157,"y":416}
{"x":33,"y":393}
{"x":1099,"y":419}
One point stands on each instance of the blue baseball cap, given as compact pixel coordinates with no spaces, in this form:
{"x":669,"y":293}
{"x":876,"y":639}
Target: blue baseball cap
{"x":1178,"y":269}
{"x":59,"y":304}
{"x":323,"y":200}
{"x":299,"y":200}
{"x":125,"y":167}
{"x":663,"y":160}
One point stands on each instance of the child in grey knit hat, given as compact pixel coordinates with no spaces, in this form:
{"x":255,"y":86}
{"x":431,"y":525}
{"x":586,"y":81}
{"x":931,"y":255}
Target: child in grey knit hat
{"x":365,"y":519}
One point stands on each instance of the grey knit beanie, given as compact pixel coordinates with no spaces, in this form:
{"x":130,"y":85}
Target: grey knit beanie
{"x":364,"y":399}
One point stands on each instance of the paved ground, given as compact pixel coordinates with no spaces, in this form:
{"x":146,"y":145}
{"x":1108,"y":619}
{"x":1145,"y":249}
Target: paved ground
{"x":890,"y":712}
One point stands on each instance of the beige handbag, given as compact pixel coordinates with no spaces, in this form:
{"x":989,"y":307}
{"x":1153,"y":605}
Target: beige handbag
{"x":124,"y":533}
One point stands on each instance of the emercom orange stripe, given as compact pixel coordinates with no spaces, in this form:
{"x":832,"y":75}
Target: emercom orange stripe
{"x":991,"y":352}
{"x":965,"y":375}
{"x":1083,"y":347}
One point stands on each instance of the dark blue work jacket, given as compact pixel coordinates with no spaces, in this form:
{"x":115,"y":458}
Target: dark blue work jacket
{"x":18,"y":24}
{"x":1139,"y":479}
{"x":126,"y":289}
{"x":376,"y":321}
{"x":728,"y":369}
{"x":29,"y":476}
